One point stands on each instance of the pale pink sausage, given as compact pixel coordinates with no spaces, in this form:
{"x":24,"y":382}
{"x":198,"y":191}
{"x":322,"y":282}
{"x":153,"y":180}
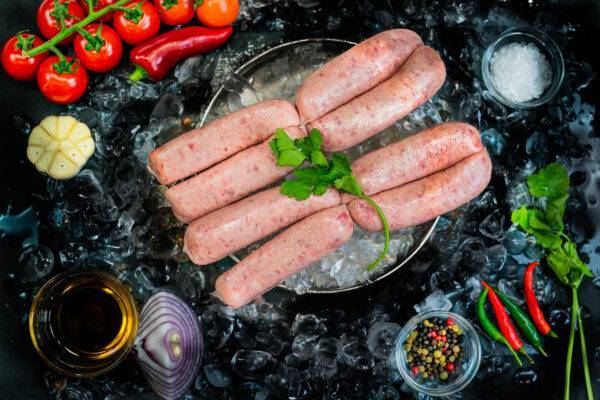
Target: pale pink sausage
{"x":423,"y":200}
{"x":354,"y":72}
{"x":417,"y":80}
{"x":234,"y":227}
{"x":415,"y":157}
{"x":228,"y":181}
{"x":290,"y":252}
{"x":201,"y":148}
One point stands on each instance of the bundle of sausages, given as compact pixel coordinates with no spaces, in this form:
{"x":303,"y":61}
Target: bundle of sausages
{"x":349,"y":99}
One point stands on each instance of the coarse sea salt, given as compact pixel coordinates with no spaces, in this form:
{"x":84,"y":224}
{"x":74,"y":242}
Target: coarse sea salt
{"x":520,"y":72}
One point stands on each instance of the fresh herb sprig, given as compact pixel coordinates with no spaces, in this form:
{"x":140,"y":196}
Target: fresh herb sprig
{"x":320,"y":174}
{"x":546,"y":226}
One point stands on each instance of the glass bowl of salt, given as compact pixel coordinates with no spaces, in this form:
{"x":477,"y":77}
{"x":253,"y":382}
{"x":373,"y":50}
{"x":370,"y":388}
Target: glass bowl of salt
{"x":523,"y":68}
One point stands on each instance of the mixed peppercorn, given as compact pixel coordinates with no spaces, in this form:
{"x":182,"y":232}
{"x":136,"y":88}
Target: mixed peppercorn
{"x":434,"y":349}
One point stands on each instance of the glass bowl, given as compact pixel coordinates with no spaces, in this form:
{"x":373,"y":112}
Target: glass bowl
{"x":547,"y":47}
{"x":464,"y":372}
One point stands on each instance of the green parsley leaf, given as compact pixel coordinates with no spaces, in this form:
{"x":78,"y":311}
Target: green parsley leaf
{"x":316,"y":139}
{"x":555,"y":211}
{"x":320,"y":189}
{"x":341,"y":163}
{"x":318,"y":158}
{"x":290,"y":158}
{"x":283,"y":141}
{"x":551,"y":181}
{"x":296,"y":189}
{"x":532,"y":221}
{"x":567,"y":265}
{"x":348,"y":184}
{"x":274,"y":148}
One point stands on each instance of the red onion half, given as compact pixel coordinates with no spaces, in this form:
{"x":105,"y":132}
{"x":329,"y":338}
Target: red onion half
{"x":169,"y":344}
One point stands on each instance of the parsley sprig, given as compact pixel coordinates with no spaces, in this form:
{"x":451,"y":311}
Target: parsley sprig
{"x":546,"y":226}
{"x":320,"y":174}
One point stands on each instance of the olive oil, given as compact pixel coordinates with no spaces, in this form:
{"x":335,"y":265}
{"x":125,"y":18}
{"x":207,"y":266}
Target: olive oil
{"x":83,"y":324}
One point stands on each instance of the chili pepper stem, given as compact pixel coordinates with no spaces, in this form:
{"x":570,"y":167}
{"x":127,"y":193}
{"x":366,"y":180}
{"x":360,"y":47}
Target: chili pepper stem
{"x":74,"y":28}
{"x":522,"y":351}
{"x":552,"y":335}
{"x":541,"y":350}
{"x":139,"y":74}
{"x":574,"y":312}
{"x":514,"y":353}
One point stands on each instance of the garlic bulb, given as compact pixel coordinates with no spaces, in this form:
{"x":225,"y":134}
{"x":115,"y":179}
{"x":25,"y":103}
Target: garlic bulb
{"x":60,"y":146}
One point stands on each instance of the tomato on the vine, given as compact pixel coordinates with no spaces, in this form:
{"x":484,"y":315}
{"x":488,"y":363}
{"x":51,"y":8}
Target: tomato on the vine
{"x":99,"y":5}
{"x":50,"y":21}
{"x":140,"y":23}
{"x":175,"y":12}
{"x":217,"y":13}
{"x":18,"y":65}
{"x":62,"y":81}
{"x":100,"y":50}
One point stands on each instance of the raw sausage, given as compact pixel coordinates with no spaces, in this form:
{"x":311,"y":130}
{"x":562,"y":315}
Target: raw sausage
{"x":417,"y":80}
{"x":415,"y":157}
{"x":228,"y":181}
{"x":291,"y":251}
{"x":354,"y":72}
{"x":231,"y":228}
{"x":427,"y":198}
{"x":201,"y":148}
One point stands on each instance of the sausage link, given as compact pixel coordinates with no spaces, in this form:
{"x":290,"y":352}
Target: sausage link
{"x":201,"y":148}
{"x":290,"y":252}
{"x":232,"y":179}
{"x":354,"y":72}
{"x":415,"y":157}
{"x":423,"y":200}
{"x":234,"y":227}
{"x":417,"y":80}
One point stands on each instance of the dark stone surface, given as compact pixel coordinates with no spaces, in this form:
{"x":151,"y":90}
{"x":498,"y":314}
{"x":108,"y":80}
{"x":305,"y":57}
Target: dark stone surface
{"x":22,"y":373}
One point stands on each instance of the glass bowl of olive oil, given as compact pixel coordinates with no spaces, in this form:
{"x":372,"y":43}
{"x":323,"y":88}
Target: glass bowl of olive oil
{"x":83,"y":324}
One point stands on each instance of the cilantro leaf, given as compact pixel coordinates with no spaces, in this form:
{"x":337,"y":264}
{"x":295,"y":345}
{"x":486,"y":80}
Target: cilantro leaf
{"x":290,"y":158}
{"x":551,"y":181}
{"x":348,"y":184}
{"x":316,"y":139}
{"x":296,"y":189}
{"x":341,"y":163}
{"x":274,"y":148}
{"x":532,"y":221}
{"x":318,"y":158}
{"x":567,"y":265}
{"x":320,"y":189}
{"x":283,"y":141}
{"x":555,"y":211}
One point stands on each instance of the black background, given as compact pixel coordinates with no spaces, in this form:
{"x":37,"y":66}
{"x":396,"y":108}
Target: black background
{"x":21,"y":372}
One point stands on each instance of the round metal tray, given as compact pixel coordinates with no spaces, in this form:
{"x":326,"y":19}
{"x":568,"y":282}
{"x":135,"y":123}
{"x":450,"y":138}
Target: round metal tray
{"x":241,"y":90}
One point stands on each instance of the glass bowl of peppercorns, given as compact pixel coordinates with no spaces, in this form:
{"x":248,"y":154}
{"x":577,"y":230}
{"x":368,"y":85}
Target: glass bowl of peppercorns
{"x":438,"y":353}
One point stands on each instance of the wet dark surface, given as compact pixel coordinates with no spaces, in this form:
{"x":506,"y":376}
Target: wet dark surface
{"x":111,"y":217}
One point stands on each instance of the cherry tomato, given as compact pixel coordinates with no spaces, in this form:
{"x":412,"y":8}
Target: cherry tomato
{"x":101,"y":51}
{"x":62,"y":83}
{"x":139,"y":24}
{"x":218,"y":13}
{"x":48,"y":19}
{"x":175,"y":12}
{"x":16,"y":64}
{"x":99,"y":5}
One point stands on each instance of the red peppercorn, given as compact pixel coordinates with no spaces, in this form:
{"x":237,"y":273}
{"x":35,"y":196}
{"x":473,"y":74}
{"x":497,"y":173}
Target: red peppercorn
{"x":449,"y":322}
{"x":415,"y":370}
{"x":444,"y":339}
{"x":450,"y":367}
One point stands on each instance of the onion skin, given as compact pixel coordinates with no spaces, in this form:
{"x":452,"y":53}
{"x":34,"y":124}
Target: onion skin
{"x":169,"y":344}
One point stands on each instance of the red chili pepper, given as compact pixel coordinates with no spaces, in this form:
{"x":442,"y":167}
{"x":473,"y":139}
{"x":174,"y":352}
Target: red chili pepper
{"x":532,"y":304}
{"x":505,"y":324}
{"x":155,"y":57}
